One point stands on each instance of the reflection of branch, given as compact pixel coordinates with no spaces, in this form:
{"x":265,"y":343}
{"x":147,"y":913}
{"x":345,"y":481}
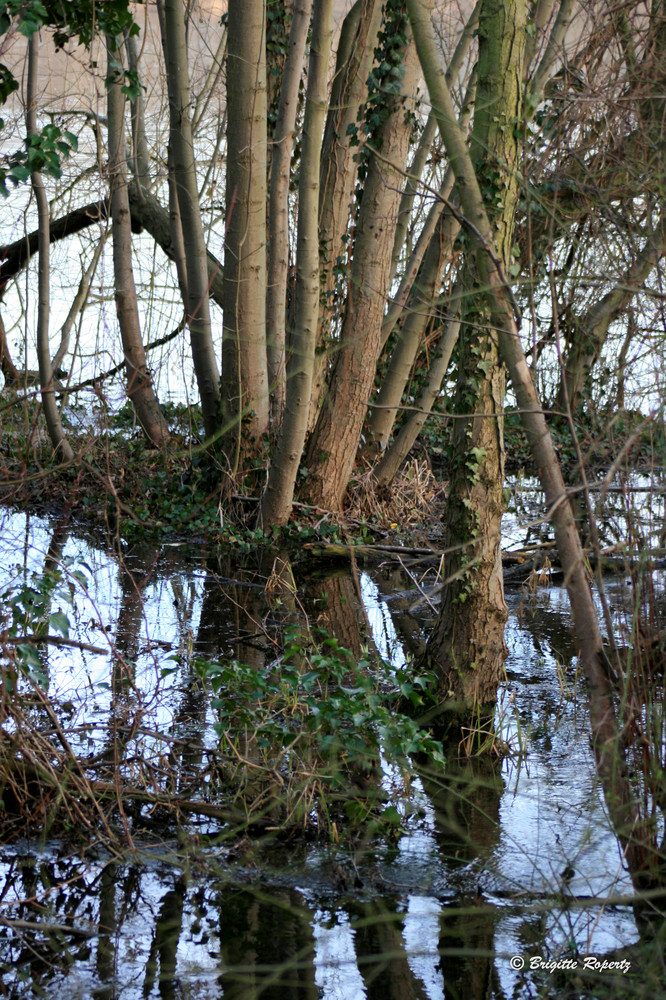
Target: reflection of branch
{"x":53,"y":640}
{"x":41,"y":927}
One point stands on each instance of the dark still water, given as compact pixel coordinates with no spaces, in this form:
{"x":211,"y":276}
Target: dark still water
{"x":493,"y":866}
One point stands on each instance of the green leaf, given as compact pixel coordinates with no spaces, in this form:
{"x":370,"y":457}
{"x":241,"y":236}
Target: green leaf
{"x":60,"y":623}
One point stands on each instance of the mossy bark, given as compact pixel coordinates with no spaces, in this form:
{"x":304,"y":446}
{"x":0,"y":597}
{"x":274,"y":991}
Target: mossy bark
{"x":467,"y":645}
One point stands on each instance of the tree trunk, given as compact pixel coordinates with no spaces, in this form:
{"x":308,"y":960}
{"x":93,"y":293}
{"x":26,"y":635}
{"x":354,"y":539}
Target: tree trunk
{"x":424,"y":149}
{"x":277,"y":500}
{"x":409,"y":336}
{"x":467,"y":644}
{"x":338,"y":169}
{"x":278,"y":210}
{"x":387,"y":468}
{"x":139,"y":382}
{"x":333,"y":446}
{"x":60,"y":444}
{"x":187,"y":198}
{"x":244,"y":364}
{"x":634,"y":835}
{"x":587,"y":339}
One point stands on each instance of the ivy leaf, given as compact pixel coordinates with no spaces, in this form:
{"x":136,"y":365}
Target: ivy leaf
{"x":60,"y":623}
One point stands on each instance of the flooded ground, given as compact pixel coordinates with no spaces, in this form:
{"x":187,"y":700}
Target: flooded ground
{"x":497,"y":866}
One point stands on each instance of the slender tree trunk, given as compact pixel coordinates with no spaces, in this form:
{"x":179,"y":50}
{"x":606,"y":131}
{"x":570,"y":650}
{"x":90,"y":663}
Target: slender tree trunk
{"x":589,"y":335}
{"x":140,"y":159}
{"x":424,"y":150}
{"x":410,"y":334}
{"x":387,"y":468}
{"x":333,"y":446}
{"x":139,"y":383}
{"x":277,"y":500}
{"x":429,"y":231}
{"x":9,"y":369}
{"x":244,"y":363}
{"x":181,"y":143}
{"x":52,"y":416}
{"x":278,"y":210}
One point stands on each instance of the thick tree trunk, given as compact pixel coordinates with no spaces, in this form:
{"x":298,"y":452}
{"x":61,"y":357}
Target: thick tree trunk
{"x":333,"y":446}
{"x":277,"y":500}
{"x":187,"y":199}
{"x":244,"y":364}
{"x":467,"y":643}
{"x":634,"y":835}
{"x":338,"y":169}
{"x":139,"y":383}
{"x":278,"y":210}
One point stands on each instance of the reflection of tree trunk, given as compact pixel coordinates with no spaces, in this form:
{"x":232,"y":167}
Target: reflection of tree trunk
{"x":466,"y":800}
{"x":332,"y":604}
{"x":53,"y":566}
{"x":165,"y":944}
{"x":381,"y":955}
{"x":466,"y":943}
{"x":275,"y":935}
{"x":231,"y":610}
{"x":135,"y":572}
{"x":106,"y":941}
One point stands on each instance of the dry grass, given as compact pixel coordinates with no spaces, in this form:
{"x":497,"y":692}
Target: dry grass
{"x":413,"y":502}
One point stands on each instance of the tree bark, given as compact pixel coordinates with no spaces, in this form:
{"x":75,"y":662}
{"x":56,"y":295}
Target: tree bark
{"x":338,"y":169}
{"x":424,"y":148}
{"x":187,"y":199}
{"x":387,"y":468}
{"x":410,"y":334}
{"x":244,"y":363}
{"x":467,"y":644}
{"x":333,"y":446}
{"x":609,"y":754}
{"x":278,"y":210}
{"x":139,"y":382}
{"x":276,"y":502}
{"x":587,"y":339}
{"x":54,"y":426}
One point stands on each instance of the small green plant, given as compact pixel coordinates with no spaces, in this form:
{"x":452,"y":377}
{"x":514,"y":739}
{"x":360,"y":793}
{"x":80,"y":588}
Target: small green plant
{"x":317,"y":722}
{"x":26,"y":612}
